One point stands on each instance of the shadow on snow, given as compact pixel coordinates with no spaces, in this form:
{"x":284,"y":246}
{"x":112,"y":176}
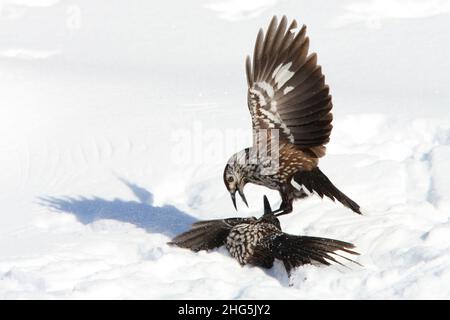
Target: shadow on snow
{"x":167,"y":219}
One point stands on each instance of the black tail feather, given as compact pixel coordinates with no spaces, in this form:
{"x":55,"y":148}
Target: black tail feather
{"x":315,"y":180}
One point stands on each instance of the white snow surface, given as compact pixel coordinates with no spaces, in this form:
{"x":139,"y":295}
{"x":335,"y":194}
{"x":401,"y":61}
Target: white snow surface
{"x":117,"y":118}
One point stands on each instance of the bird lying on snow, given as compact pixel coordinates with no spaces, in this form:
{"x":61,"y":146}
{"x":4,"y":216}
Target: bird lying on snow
{"x":260,"y":241}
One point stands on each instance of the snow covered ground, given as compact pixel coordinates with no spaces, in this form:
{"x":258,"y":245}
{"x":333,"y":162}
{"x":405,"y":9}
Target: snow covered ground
{"x":116,"y":120}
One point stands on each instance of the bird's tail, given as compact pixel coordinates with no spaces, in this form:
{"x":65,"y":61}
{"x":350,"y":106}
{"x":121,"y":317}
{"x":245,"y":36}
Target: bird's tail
{"x":295,"y":251}
{"x":315,"y":180}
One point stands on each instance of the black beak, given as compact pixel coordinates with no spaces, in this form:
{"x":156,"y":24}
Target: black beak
{"x":233,"y":198}
{"x":267,"y":208}
{"x":241,"y":193}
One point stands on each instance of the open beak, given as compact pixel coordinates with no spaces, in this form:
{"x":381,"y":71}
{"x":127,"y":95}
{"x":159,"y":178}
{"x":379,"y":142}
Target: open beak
{"x":241,"y":193}
{"x":233,"y":197}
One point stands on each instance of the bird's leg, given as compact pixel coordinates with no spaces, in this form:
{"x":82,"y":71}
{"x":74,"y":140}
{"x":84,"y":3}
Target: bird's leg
{"x":284,"y":209}
{"x":286,"y":204}
{"x":288,"y":195}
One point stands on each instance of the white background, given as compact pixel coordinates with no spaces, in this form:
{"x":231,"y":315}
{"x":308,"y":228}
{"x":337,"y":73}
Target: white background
{"x":117,"y":118}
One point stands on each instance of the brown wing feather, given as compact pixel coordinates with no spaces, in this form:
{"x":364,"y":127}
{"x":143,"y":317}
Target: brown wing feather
{"x":296,"y":251}
{"x":207,"y":235}
{"x":287,"y":89}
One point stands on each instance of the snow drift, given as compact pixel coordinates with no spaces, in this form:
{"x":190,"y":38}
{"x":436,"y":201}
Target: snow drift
{"x":116,"y":121}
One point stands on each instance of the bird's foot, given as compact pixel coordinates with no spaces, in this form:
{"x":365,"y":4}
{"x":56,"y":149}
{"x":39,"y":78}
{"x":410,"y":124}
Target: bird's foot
{"x":283,"y":210}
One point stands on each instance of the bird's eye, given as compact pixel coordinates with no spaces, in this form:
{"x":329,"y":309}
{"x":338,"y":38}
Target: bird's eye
{"x":230,"y":179}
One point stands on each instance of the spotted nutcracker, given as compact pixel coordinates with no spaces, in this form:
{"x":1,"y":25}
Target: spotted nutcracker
{"x":288,"y":100}
{"x":260,"y":241}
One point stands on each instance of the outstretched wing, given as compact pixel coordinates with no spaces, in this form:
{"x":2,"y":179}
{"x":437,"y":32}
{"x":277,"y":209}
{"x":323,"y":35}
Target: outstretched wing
{"x":286,"y":88}
{"x":207,"y":235}
{"x":296,"y":251}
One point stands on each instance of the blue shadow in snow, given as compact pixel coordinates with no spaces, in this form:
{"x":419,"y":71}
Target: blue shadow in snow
{"x":167,"y":220}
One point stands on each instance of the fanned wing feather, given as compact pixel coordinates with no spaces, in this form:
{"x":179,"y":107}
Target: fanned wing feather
{"x":296,"y":251}
{"x":207,"y":235}
{"x":286,"y":88}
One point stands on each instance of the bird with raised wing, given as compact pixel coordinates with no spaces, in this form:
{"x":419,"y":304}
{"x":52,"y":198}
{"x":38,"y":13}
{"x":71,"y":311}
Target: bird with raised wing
{"x":290,"y":103}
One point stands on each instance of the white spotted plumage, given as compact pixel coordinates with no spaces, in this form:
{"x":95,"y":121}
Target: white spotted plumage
{"x":282,"y":74}
{"x":244,"y":238}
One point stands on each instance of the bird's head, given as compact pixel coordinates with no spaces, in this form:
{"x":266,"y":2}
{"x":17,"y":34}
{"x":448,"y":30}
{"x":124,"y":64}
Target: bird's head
{"x":235,"y":180}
